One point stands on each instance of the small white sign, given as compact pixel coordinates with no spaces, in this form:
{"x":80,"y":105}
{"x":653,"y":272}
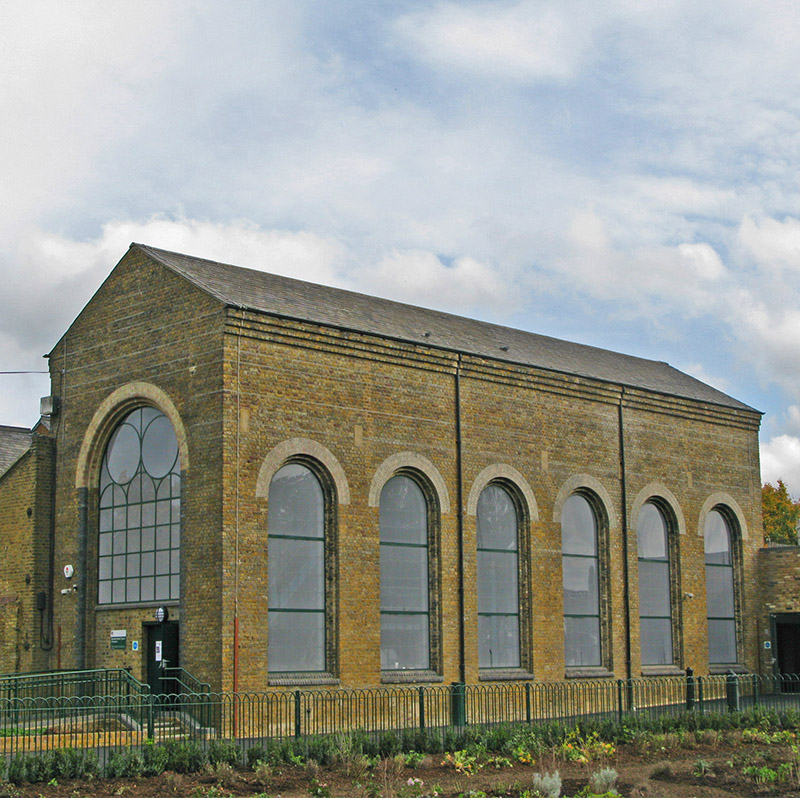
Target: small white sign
{"x":768,"y":645}
{"x":158,"y":651}
{"x":134,"y":646}
{"x":119,"y":634}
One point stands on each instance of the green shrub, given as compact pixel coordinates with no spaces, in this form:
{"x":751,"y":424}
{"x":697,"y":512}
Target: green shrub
{"x":184,"y":756}
{"x":155,"y":759}
{"x":126,"y":762}
{"x":255,"y":754}
{"x":224,"y":751}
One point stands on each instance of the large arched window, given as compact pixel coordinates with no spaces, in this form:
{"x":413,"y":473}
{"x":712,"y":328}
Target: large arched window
{"x":581,"y":583}
{"x":140,"y":512}
{"x":296,"y":571}
{"x":405,"y":576}
{"x":498,"y":579}
{"x":655,"y":592}
{"x":720,"y":588}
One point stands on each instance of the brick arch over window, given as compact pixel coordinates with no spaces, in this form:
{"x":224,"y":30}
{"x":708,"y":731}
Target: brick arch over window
{"x":502,"y":473}
{"x":119,"y":403}
{"x":589,"y":484}
{"x":410,"y":461}
{"x":725,"y":500}
{"x":658,"y":492}
{"x":299,"y":446}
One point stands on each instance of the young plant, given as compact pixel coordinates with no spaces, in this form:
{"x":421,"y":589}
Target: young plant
{"x":546,"y":785}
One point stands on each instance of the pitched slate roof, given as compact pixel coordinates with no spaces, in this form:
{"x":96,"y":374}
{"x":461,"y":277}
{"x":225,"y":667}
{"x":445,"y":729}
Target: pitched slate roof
{"x":14,"y":443}
{"x":288,"y":297}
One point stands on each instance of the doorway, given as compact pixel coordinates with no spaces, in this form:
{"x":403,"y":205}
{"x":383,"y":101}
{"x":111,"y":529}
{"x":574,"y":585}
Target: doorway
{"x":786,"y":638}
{"x":162,"y":651}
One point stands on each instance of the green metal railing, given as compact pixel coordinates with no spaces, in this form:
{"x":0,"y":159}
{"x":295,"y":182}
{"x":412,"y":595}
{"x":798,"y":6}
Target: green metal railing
{"x":31,"y":723}
{"x":71,"y":683}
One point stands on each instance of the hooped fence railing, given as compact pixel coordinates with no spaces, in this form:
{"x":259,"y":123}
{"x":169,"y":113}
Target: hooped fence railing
{"x":132,"y":717}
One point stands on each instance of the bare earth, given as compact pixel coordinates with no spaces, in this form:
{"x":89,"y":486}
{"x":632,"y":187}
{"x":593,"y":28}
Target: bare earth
{"x":692,"y":770}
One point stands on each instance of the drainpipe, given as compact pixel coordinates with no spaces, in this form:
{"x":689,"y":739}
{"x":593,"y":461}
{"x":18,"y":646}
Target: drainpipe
{"x":46,"y":631}
{"x":460,"y":524}
{"x":624,"y":523}
{"x":83,"y":533}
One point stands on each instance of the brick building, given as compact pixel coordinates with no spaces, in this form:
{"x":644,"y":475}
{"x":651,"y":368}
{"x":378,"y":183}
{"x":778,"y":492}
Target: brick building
{"x":325,"y":488}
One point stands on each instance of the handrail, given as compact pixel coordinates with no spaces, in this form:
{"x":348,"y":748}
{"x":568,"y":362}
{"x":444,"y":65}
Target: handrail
{"x":186,"y":680}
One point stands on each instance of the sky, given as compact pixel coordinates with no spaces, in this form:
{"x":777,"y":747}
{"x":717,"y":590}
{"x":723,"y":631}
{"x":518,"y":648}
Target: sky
{"x":622,"y":174}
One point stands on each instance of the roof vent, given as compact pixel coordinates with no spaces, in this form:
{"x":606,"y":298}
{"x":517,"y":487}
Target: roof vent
{"x":504,"y":348}
{"x":426,"y":334}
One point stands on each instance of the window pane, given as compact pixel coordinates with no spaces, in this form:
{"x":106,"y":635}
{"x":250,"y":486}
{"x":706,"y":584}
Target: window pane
{"x":404,"y":578}
{"x":296,"y":574}
{"x":404,"y":641}
{"x":721,"y":641}
{"x":496,"y":519}
{"x":403,"y":512}
{"x":296,"y":505}
{"x":123,"y":453}
{"x":719,"y":591}
{"x":652,"y":532}
{"x":717,"y":539}
{"x":654,"y":594}
{"x":296,"y":641}
{"x":656,"y":641}
{"x":159,"y":448}
{"x":578,"y":527}
{"x":296,"y":571}
{"x":581,"y":641}
{"x":127,"y":508}
{"x":497,"y":582}
{"x":498,"y":641}
{"x":581,"y":589}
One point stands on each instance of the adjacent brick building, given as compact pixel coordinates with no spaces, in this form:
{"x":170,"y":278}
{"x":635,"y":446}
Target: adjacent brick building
{"x":325,"y":488}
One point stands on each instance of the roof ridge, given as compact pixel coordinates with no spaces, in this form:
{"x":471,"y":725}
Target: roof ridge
{"x":298,"y":299}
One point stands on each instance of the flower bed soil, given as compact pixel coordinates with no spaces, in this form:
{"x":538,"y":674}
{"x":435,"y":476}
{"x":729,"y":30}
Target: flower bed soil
{"x":690,"y":770}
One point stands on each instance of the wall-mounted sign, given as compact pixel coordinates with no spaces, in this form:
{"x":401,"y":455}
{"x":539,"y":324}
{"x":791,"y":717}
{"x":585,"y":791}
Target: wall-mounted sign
{"x":768,"y":645}
{"x":158,"y":651}
{"x":134,"y":646}
{"x":119,"y":640}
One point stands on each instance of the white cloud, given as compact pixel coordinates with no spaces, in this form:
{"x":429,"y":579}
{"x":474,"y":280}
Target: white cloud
{"x":772,"y":244}
{"x":521,"y":41}
{"x":698,"y":371}
{"x":421,"y":278}
{"x":780,"y":458}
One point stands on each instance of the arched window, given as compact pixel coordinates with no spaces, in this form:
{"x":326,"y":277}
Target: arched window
{"x":720,"y":591}
{"x":581,"y":582}
{"x":405,"y":576}
{"x":140,"y":511}
{"x":296,"y":571}
{"x":655,"y":594}
{"x":498,"y":579}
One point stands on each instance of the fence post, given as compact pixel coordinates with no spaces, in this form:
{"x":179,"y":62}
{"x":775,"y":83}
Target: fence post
{"x":422,"y":708}
{"x":732,"y":691}
{"x":297,"y":715}
{"x":620,"y":699}
{"x":690,"y":689}
{"x":700,"y":694}
{"x":151,"y":723}
{"x":528,"y":703}
{"x":458,"y":705}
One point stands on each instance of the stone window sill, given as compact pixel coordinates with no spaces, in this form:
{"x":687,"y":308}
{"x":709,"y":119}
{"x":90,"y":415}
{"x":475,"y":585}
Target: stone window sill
{"x":504,"y":675}
{"x":588,"y":672}
{"x":302,"y":679}
{"x":410,"y":676}
{"x":154,"y":604}
{"x":654,"y":670}
{"x":724,"y":669}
